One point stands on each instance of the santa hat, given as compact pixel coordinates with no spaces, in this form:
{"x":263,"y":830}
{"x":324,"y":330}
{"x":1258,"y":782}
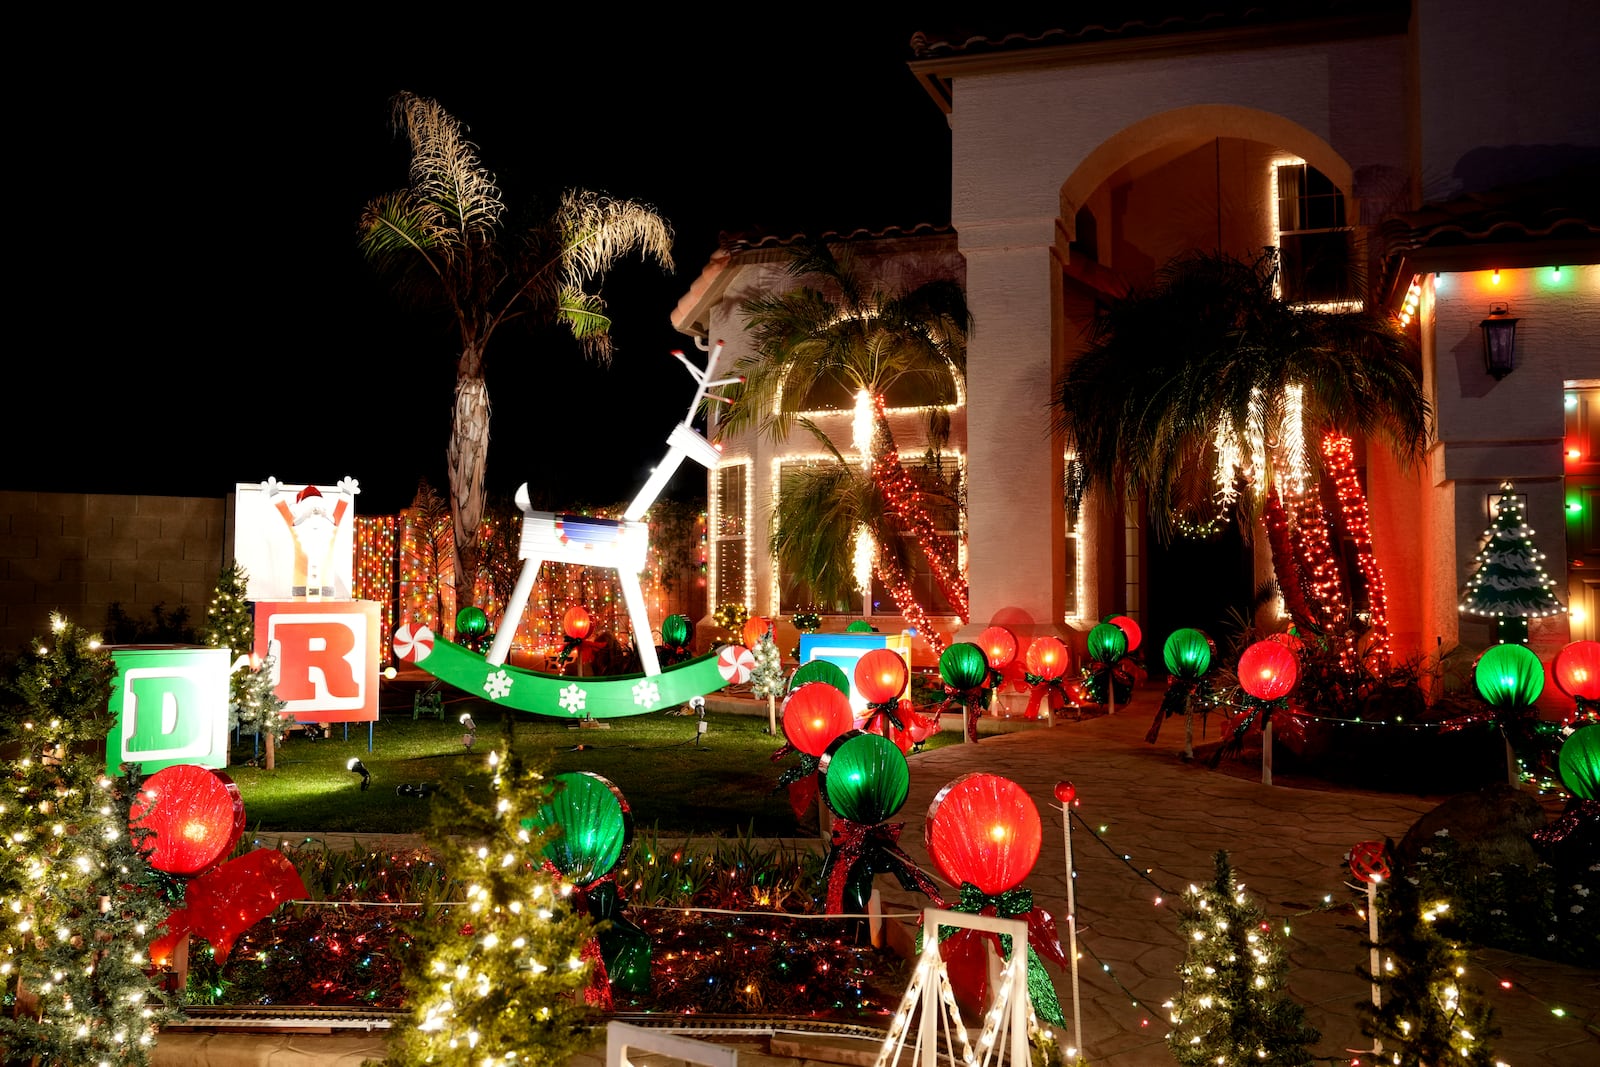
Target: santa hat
{"x":307,"y":493}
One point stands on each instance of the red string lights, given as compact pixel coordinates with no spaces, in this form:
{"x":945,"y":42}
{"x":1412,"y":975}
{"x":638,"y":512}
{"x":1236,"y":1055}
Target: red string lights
{"x":1339,"y":453}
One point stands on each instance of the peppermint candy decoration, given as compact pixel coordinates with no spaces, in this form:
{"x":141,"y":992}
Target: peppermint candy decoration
{"x":735,"y":663}
{"x":411,"y":645}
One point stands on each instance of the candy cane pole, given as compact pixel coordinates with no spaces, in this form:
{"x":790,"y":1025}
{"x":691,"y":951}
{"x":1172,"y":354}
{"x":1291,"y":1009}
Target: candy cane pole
{"x":1066,"y":792}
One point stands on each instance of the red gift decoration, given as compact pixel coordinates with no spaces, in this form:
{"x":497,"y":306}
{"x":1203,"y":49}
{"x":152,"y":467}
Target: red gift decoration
{"x":225,"y":901}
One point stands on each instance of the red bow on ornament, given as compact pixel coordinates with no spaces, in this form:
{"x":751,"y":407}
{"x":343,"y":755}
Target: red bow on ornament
{"x":1041,"y":689}
{"x":965,"y":960}
{"x":900,"y":723}
{"x":973,"y":700}
{"x":865,"y":849}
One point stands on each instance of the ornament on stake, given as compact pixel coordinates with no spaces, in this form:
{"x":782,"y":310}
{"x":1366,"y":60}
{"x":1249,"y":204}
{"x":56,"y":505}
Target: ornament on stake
{"x":964,"y":668}
{"x":984,"y":834}
{"x":881,"y":677}
{"x":1577,"y":673}
{"x":576,"y":622}
{"x":1000,"y":649}
{"x":814,"y":714}
{"x":1107,"y":645}
{"x":1267,"y":673}
{"x":755,"y":628}
{"x":1510,"y":678}
{"x":1047,"y":660}
{"x":1578,"y":765}
{"x":1369,"y":862}
{"x":676,"y":631}
{"x":588,"y":830}
{"x":1187,"y":654}
{"x":864,"y":781}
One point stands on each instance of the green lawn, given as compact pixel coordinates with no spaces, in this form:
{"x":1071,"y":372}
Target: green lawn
{"x":675,"y":780}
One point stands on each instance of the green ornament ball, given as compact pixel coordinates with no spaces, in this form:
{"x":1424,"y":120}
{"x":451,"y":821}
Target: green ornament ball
{"x":963,"y":666}
{"x":675,"y":630}
{"x":864,"y":777}
{"x":820,"y":670}
{"x":859,"y":626}
{"x":1187,"y":653}
{"x":471,"y":621}
{"x":1509,"y":676}
{"x":1579,"y":762}
{"x":590,"y":823}
{"x":1107,"y":643}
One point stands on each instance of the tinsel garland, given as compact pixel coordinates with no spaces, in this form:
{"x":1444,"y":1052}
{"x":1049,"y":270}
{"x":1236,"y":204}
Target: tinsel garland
{"x":1052,"y":691}
{"x":1255,"y":711}
{"x":1175,"y":701}
{"x":857,"y":852}
{"x":972,"y":701}
{"x":1099,"y":678}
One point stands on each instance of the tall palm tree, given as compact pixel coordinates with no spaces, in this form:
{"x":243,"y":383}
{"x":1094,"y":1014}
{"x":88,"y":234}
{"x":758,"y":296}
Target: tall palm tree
{"x":1205,"y":378}
{"x":444,"y":241}
{"x":840,"y":332}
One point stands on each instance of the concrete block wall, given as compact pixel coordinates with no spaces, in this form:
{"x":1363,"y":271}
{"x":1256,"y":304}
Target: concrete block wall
{"x":79,"y":553}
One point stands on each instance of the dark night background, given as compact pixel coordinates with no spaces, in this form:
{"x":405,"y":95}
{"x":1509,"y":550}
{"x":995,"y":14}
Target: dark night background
{"x":196,"y":313}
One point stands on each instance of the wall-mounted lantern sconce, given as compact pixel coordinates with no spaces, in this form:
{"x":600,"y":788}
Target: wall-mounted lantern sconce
{"x":1499,"y":341}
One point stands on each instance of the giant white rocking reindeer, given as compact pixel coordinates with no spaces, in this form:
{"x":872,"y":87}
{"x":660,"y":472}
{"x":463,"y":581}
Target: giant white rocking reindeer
{"x":560,"y":538}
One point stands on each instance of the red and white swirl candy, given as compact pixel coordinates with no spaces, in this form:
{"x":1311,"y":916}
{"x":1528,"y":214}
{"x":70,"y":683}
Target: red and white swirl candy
{"x":735,"y":663}
{"x":413,"y":645}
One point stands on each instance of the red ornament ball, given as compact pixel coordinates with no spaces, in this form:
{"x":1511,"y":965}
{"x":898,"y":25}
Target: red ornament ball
{"x":1130,"y":628}
{"x":1368,"y":861}
{"x":1066,"y":792}
{"x":1268,"y":670}
{"x":755,"y":628}
{"x":984,"y":829}
{"x":1577,"y":670}
{"x":814,"y":714}
{"x":881,"y":675}
{"x":577,"y":622}
{"x":999,"y":645}
{"x":196,"y":813}
{"x":1047,"y":658}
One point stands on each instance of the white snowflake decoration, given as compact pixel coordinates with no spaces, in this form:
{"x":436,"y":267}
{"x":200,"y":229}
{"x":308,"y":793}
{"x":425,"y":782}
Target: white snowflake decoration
{"x":497,"y":685}
{"x":573,"y":699}
{"x":646,"y":693}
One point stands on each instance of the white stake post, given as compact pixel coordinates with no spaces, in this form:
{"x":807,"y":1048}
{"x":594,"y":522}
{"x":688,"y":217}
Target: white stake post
{"x":1372,"y":935}
{"x":1066,"y":793}
{"x":772,"y":715}
{"x":1266,"y":753}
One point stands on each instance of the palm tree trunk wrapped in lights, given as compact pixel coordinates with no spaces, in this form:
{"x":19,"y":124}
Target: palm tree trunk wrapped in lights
{"x":1206,"y":370}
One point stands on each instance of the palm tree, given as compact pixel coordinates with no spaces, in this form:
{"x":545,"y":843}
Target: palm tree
{"x":1205,"y":379}
{"x":444,"y":241}
{"x":841,"y":333}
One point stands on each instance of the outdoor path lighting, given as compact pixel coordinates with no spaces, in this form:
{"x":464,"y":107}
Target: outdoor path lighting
{"x":360,"y":768}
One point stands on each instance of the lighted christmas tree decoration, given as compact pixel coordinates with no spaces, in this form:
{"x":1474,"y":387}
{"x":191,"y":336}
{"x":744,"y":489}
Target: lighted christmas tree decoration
{"x":766,"y":678}
{"x":81,"y":898}
{"x":1508,"y":583}
{"x":228,"y":620}
{"x":1232,"y":1007}
{"x":502,"y":977}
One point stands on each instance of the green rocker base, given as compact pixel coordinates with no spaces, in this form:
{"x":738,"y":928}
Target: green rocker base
{"x":565,"y":696}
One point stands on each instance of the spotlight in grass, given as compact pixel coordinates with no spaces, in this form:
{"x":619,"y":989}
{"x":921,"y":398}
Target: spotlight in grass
{"x":355,"y":765}
{"x":422,"y":790}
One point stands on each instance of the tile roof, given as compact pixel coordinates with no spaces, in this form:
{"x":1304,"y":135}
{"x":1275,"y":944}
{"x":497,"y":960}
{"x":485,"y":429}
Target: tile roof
{"x":1534,"y":223}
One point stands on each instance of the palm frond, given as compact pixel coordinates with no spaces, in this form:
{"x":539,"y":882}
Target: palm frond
{"x":445,"y":170}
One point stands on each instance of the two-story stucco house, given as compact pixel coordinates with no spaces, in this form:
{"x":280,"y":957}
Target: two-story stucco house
{"x":1447,"y":150}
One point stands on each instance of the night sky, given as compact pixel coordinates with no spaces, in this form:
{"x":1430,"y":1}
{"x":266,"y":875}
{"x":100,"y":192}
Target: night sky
{"x":195,"y":308}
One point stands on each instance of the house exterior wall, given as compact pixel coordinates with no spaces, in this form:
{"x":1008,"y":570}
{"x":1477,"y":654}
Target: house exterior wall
{"x":78,"y":554}
{"x":1031,"y":147}
{"x":1504,"y":95}
{"x":765,"y":272}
